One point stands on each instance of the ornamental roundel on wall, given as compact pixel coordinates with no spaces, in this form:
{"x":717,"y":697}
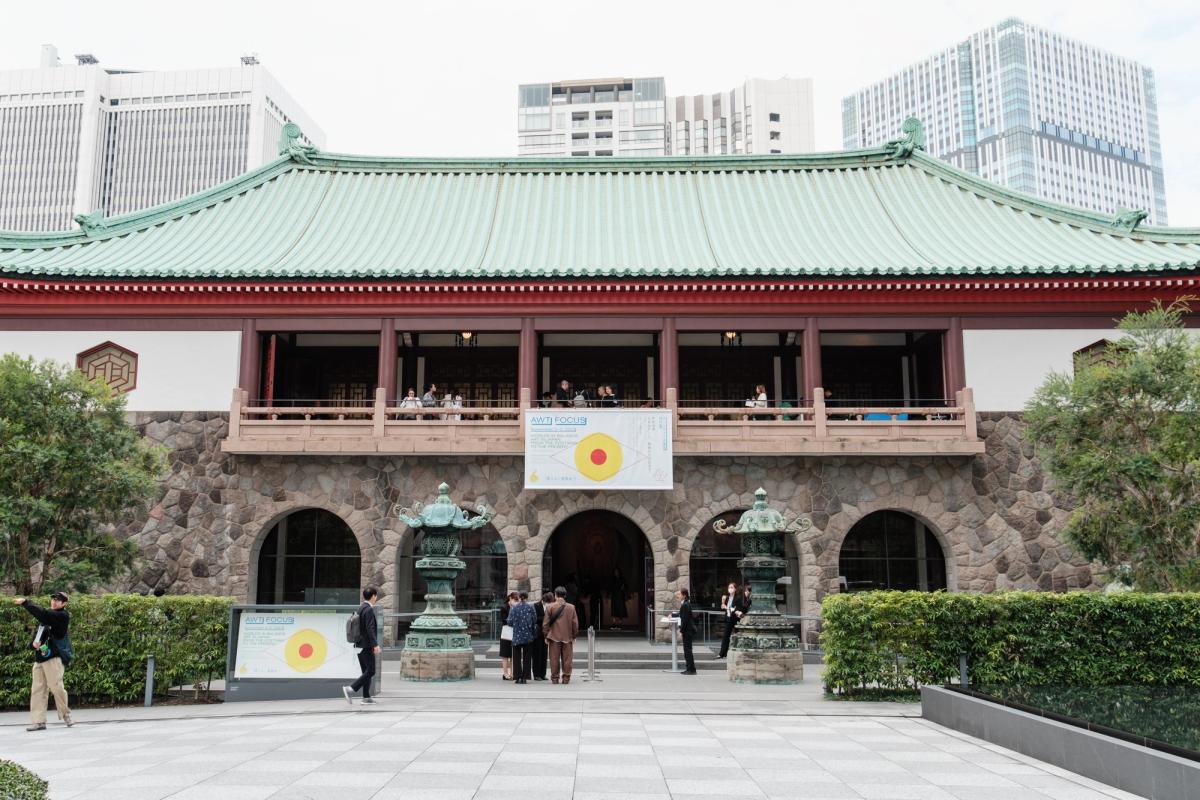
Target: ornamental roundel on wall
{"x":115,"y":365}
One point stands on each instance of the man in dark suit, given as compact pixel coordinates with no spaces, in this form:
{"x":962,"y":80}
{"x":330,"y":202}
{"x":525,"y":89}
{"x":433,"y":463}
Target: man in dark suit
{"x":687,"y":629}
{"x":539,"y":644}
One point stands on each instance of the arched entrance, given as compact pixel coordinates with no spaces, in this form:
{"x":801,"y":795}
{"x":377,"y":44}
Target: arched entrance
{"x":713,"y":564}
{"x":891,"y":550}
{"x":603,"y":561}
{"x":309,"y":556}
{"x":482,"y":585}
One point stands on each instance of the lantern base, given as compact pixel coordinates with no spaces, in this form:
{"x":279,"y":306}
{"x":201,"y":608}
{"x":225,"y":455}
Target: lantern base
{"x":437,"y":665}
{"x":766,"y":666}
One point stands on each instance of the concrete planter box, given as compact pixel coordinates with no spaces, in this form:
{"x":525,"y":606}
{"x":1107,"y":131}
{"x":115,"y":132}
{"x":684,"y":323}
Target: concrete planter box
{"x":1141,"y":770}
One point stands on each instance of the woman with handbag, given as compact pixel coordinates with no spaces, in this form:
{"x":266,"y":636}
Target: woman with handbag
{"x":506,"y":636}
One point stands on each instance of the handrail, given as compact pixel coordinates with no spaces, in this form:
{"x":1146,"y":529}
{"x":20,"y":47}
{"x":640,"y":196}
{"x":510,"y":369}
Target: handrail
{"x":699,"y":429}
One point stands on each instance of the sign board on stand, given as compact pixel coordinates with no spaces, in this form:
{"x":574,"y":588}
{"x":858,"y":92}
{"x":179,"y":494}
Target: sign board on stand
{"x":289,"y":652}
{"x":587,"y":448}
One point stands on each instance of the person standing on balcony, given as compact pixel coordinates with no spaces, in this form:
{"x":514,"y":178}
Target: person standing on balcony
{"x":410,"y":401}
{"x":430,"y":398}
{"x":458,"y":403}
{"x":563,"y":394}
{"x":760,"y":400}
{"x":448,"y":402}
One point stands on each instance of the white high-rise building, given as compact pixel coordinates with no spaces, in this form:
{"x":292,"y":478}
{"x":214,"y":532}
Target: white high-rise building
{"x":607,"y":117}
{"x":1032,"y":110}
{"x":760,"y":116}
{"x":80,"y":138}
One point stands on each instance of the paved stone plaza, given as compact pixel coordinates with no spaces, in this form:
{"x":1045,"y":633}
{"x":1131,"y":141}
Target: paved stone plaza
{"x":497,"y":741}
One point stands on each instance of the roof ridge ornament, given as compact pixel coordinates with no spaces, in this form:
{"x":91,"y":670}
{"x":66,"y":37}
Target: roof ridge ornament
{"x":92,"y":223}
{"x":913,"y":139}
{"x":1127,"y":219}
{"x":289,"y":144}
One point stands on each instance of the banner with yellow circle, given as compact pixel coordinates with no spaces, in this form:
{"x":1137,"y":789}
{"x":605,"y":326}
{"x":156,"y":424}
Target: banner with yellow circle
{"x":299,"y":643}
{"x":598,"y":449}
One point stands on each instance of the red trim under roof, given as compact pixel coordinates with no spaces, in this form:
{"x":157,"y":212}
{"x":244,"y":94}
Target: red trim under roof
{"x":21,"y":297}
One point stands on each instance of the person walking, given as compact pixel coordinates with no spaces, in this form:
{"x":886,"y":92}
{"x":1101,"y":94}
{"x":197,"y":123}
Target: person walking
{"x":687,"y":629}
{"x":523,"y":620}
{"x":734,"y":604}
{"x":560,"y":628}
{"x":51,"y":652}
{"x":368,"y":641}
{"x":506,"y":644}
{"x":539,"y":642}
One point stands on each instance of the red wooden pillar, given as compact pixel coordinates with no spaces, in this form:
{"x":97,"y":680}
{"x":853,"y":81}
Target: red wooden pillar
{"x":527,"y":359}
{"x":668,"y":358}
{"x":387,"y":358}
{"x":250,"y":365}
{"x":956,"y":365}
{"x":810,"y":353}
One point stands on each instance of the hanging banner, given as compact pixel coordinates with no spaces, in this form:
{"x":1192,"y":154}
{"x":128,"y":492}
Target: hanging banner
{"x":294,"y":644}
{"x":598,"y":449}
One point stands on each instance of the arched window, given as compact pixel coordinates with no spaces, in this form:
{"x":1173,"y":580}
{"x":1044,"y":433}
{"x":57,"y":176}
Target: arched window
{"x":891,"y":550}
{"x":714,"y":562}
{"x":311,"y":557}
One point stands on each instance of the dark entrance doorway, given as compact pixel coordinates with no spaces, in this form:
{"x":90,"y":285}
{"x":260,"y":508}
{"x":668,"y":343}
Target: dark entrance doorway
{"x":603,"y":561}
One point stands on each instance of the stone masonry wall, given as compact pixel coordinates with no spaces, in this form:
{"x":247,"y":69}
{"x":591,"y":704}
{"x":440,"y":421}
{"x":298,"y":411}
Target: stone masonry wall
{"x":996,"y":515}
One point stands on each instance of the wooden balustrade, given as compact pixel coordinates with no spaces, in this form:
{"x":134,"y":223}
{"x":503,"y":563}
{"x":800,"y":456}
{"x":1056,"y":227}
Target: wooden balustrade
{"x":698,"y":430}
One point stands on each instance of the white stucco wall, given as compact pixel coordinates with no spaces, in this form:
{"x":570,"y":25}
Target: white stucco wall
{"x":1004,"y":367}
{"x":177,"y":370}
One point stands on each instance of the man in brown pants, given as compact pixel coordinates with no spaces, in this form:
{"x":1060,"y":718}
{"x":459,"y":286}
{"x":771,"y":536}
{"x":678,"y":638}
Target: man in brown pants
{"x":560,"y":627}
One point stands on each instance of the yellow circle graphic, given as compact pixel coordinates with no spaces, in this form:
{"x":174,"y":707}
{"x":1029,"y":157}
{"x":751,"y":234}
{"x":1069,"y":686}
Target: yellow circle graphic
{"x":305,"y":650}
{"x":598,"y":456}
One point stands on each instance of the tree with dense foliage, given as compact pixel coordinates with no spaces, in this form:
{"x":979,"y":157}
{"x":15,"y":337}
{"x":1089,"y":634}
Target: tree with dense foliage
{"x":1122,"y":434}
{"x":71,"y":467}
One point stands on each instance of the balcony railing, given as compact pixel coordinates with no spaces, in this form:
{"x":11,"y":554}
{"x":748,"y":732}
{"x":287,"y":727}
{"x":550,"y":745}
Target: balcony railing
{"x":494,"y":429}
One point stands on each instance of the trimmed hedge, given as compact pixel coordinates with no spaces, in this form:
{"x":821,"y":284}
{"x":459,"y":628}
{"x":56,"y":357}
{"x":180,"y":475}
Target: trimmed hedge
{"x":112,"y":635}
{"x":881,"y":642}
{"x":18,"y":783}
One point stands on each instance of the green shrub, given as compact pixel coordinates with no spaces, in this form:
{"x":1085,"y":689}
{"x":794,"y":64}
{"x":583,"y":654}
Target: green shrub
{"x":112,"y":635}
{"x":18,"y":783}
{"x":889,"y":641}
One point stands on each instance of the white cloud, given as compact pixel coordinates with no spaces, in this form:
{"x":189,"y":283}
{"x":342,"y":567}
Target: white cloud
{"x":440,"y":78}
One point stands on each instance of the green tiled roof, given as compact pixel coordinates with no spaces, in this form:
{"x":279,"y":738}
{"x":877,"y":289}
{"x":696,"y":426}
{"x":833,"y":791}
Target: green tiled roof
{"x":858,"y":213}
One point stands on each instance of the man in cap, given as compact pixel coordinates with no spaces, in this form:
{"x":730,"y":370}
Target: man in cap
{"x":48,"y":662}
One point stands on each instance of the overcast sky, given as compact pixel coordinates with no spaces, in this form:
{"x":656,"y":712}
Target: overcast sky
{"x":440,"y":78}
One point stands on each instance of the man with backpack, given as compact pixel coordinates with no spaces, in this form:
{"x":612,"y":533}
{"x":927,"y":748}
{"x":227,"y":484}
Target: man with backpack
{"x":51,"y":654}
{"x":362,"y":631}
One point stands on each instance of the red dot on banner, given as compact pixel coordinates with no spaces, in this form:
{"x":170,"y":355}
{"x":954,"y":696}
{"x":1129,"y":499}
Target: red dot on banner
{"x":306,"y":651}
{"x":599,"y":456}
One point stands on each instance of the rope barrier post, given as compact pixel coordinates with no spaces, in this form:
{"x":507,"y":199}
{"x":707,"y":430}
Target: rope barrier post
{"x":591,"y":670}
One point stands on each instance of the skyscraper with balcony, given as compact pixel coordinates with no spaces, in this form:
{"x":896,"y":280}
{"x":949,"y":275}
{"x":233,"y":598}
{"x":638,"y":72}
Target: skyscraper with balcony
{"x":1032,"y":110}
{"x":85,"y":137}
{"x":606,"y":117}
{"x":760,"y":116}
